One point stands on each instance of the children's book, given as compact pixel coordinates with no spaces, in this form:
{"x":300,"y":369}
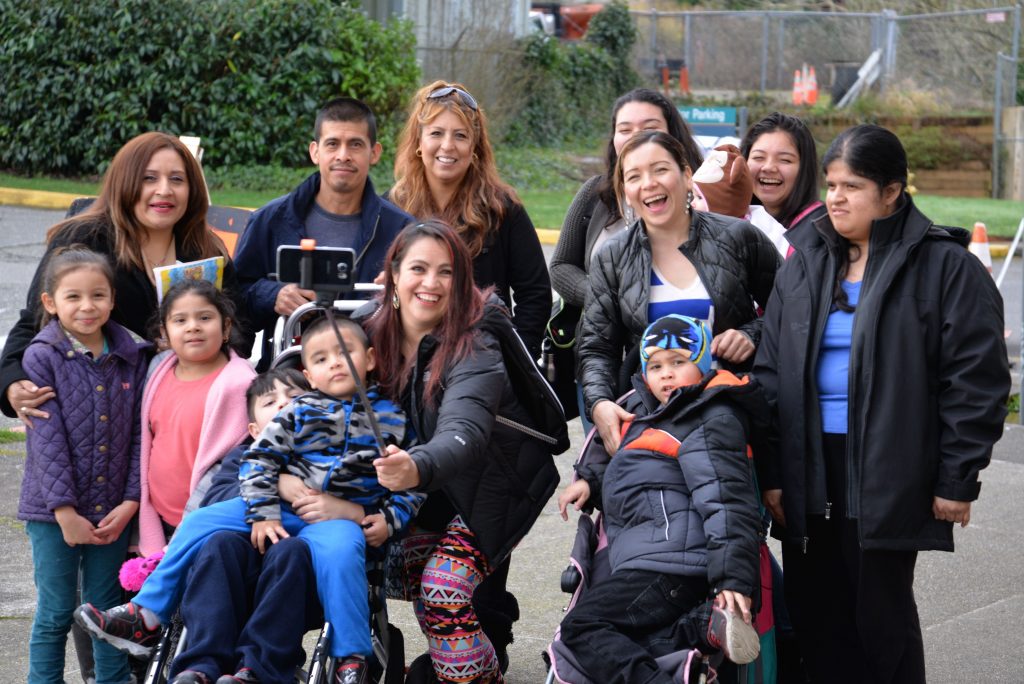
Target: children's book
{"x":211,"y":269}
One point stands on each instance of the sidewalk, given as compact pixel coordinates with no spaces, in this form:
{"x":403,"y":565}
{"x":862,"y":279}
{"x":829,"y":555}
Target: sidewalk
{"x":39,"y":199}
{"x":970,"y":602}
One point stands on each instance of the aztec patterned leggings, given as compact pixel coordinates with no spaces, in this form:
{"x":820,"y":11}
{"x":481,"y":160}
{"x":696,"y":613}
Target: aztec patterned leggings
{"x":443,"y":569}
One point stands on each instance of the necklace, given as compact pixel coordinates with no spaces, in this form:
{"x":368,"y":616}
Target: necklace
{"x":153,"y":263}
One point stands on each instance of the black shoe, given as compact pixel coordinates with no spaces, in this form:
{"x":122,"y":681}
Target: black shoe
{"x":243,"y":676}
{"x":421,"y":671}
{"x":191,"y":677}
{"x":122,"y":627}
{"x":352,"y":670}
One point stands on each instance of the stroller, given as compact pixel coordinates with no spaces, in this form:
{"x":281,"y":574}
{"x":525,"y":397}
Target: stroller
{"x":588,"y":566}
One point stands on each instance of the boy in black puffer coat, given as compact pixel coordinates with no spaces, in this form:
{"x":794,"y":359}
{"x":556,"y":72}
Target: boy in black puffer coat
{"x":681,"y":515}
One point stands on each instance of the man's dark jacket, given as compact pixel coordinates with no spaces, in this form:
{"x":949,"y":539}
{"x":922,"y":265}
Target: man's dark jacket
{"x":928,"y":379}
{"x":283,"y":222}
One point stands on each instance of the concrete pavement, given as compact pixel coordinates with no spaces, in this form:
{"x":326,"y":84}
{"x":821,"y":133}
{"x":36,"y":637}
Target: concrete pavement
{"x":970,"y":602}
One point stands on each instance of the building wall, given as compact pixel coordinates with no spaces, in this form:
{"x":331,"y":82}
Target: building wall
{"x":469,"y":41}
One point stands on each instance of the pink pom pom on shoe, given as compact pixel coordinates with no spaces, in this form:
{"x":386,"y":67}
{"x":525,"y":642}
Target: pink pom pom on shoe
{"x":134,"y":571}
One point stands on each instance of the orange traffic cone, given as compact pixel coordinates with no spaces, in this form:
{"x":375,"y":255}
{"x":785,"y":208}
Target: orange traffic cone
{"x":979,"y":245}
{"x":798,"y":88}
{"x":811,"y":88}
{"x":684,"y":81}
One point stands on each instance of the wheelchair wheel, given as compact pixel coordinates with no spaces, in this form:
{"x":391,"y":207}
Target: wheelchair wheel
{"x":172,"y":641}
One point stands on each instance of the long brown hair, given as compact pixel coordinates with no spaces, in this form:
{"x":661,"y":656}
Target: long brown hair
{"x":122,"y":187}
{"x":454,"y":333}
{"x":479,"y":204}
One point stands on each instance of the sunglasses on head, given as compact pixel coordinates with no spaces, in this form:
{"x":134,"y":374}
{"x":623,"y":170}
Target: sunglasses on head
{"x":445,"y":91}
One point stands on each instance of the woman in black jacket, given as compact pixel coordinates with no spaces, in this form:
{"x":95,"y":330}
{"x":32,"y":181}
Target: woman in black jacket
{"x":883,"y":355}
{"x":673,"y":260}
{"x":486,"y":482}
{"x":151,"y":212}
{"x":594,"y":214}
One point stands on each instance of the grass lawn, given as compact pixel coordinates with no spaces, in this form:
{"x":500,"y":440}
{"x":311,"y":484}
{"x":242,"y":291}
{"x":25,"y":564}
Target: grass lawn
{"x":547,"y":207}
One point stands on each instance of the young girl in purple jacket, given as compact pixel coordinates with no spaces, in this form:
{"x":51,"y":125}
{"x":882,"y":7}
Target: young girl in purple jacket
{"x":81,"y":484}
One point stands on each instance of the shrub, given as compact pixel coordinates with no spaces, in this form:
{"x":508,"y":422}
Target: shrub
{"x":81,"y":78}
{"x":569,"y":87}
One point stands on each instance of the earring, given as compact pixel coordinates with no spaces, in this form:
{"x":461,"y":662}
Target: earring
{"x":394,"y":300}
{"x":689,"y":200}
{"x":419,"y":152}
{"x":629,"y":216}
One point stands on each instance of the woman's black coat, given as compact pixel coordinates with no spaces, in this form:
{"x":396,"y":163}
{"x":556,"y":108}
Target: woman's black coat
{"x":497,"y":478}
{"x":928,"y":384}
{"x":734,"y":260}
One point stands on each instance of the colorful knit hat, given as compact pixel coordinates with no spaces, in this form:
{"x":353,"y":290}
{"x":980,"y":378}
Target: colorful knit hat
{"x":725,"y":182}
{"x":689,"y":335}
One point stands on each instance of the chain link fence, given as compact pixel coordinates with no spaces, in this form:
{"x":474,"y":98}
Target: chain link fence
{"x":950,"y":56}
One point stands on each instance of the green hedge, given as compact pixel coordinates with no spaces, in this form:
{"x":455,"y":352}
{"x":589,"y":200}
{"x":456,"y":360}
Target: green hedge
{"x":80,"y":78}
{"x":569,"y":88}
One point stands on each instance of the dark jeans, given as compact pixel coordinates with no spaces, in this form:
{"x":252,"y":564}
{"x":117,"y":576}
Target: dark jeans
{"x":853,"y":610}
{"x":230,"y":580}
{"x":619,"y":626}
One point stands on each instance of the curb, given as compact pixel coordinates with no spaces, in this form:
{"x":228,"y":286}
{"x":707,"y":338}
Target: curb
{"x":39,"y":199}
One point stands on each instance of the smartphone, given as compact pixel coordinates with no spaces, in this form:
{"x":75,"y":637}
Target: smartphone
{"x":333,"y":268}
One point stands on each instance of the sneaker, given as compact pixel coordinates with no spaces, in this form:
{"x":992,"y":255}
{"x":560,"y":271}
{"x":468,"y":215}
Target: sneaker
{"x":122,"y":627}
{"x":191,"y":677}
{"x":735,"y":638}
{"x":246,"y":675}
{"x":352,"y":670}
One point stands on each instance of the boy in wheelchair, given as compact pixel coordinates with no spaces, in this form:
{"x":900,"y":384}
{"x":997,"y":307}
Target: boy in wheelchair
{"x":324,"y":438}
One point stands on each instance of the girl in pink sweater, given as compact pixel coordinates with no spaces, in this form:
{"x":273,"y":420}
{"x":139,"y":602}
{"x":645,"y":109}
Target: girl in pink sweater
{"x":193,"y":407}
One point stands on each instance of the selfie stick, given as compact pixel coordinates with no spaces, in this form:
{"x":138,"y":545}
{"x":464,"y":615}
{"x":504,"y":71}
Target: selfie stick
{"x":327,"y":301}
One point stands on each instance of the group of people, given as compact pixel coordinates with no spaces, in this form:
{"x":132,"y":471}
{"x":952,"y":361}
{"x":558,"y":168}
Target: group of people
{"x":723,"y":292}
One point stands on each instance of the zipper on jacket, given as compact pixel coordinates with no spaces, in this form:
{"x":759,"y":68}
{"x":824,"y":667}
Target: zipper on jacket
{"x":828,"y":509}
{"x":373,"y":236}
{"x":804,"y":544}
{"x":664,"y":512}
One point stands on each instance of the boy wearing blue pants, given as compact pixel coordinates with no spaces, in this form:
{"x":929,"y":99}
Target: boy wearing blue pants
{"x":325,"y":439}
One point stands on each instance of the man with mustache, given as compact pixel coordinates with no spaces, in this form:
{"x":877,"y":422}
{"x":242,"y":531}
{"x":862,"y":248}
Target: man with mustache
{"x":336,"y":205}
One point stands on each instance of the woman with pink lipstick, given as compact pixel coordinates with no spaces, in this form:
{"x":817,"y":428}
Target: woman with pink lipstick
{"x":673,"y":260}
{"x":445,"y":168}
{"x":151,"y":212}
{"x":783,"y":161}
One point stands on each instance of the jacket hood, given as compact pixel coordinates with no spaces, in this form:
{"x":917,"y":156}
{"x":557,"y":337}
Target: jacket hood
{"x":742,"y":390}
{"x":299,"y":199}
{"x":907,"y":224}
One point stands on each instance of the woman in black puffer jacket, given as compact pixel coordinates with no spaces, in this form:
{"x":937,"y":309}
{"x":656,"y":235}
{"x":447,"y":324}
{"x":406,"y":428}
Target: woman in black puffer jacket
{"x":438,"y":347}
{"x":673,"y":260}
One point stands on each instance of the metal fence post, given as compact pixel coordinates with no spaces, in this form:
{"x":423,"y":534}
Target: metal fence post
{"x":654,"y":32}
{"x":780,"y":58}
{"x":765,"y":31}
{"x":889,"y":62}
{"x":997,"y":132}
{"x":687,"y":48}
